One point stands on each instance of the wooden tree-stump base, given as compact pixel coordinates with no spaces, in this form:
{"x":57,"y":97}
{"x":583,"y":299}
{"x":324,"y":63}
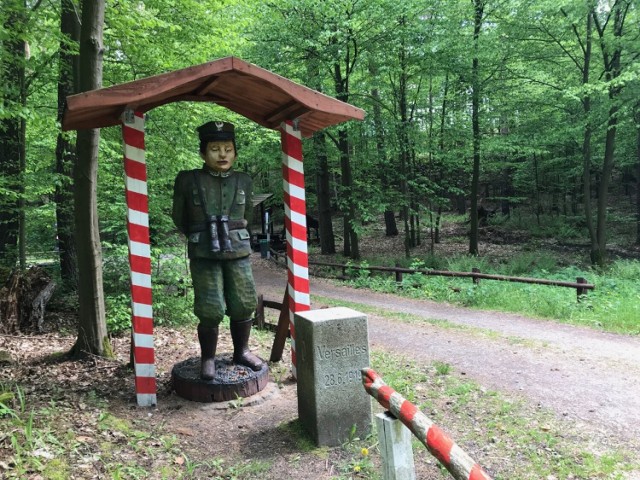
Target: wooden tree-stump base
{"x":231,"y":380}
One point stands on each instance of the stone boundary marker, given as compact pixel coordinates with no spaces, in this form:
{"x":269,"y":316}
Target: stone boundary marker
{"x":332,"y":349}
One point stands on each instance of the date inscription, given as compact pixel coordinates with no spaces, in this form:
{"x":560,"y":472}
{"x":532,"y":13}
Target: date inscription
{"x":338,"y":379}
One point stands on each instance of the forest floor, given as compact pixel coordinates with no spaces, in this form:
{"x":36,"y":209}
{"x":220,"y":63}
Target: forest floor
{"x":576,"y":391}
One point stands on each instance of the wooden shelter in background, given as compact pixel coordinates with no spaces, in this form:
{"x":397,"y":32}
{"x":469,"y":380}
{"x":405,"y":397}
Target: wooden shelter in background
{"x":257,"y":94}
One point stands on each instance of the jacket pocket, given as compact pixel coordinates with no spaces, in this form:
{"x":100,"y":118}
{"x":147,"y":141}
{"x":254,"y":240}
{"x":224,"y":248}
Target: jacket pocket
{"x":195,"y":197}
{"x":241,"y":197}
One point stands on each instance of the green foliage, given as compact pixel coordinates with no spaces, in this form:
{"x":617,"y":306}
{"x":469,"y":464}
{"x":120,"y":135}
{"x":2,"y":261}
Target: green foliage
{"x":614,"y":304}
{"x":559,"y":227}
{"x":393,"y":59}
{"x":523,"y":264}
{"x":171,"y":284}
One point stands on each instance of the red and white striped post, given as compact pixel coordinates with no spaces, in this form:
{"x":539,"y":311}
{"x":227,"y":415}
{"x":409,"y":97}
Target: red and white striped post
{"x":295,"y":222}
{"x":451,"y":456}
{"x":135,"y":170}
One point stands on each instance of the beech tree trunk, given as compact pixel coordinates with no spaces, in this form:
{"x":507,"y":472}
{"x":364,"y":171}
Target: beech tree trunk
{"x":390,"y":227}
{"x":351,"y":245}
{"x":637,"y":118}
{"x":12,"y":127}
{"x":325,"y":223}
{"x":475,"y":121}
{"x":403,"y":140}
{"x":611,"y":56}
{"x":586,"y":141}
{"x":327,"y":240}
{"x":92,"y":328}
{"x":66,"y":149}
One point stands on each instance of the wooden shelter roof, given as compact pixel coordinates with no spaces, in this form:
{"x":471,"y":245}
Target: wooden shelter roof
{"x":253,"y":92}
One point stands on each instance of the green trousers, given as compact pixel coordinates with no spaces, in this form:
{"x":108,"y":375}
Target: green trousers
{"x":223,"y":286}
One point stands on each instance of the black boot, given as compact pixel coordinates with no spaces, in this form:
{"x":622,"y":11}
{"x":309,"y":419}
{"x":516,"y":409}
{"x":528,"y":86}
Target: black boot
{"x":240,"y":332}
{"x":208,"y":338}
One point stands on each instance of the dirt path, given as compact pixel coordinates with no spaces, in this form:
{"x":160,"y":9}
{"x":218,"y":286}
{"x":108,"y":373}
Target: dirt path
{"x":589,"y":378}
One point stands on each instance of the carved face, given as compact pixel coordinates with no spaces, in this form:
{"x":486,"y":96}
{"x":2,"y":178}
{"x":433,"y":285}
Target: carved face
{"x":219,"y":156}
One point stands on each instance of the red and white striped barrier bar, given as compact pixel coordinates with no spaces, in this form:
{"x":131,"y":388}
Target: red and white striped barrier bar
{"x":296,"y":227}
{"x":451,"y":456}
{"x":135,"y":170}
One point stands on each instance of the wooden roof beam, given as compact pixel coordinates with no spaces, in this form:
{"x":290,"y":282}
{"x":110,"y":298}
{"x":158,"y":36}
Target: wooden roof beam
{"x":208,"y":86}
{"x":289,"y":111}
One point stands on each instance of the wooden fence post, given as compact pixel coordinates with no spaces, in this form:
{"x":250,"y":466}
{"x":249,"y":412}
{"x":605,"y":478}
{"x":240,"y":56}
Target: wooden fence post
{"x":476,"y":280}
{"x":398,"y":273}
{"x":581,"y":291}
{"x":260,"y":312}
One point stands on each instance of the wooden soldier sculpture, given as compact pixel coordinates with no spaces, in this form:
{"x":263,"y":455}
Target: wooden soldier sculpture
{"x":212,"y":207}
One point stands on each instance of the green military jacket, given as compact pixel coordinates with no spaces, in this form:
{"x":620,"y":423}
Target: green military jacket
{"x":228,"y":193}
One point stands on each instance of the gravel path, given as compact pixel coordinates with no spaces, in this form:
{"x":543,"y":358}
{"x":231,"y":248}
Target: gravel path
{"x":587,"y":377}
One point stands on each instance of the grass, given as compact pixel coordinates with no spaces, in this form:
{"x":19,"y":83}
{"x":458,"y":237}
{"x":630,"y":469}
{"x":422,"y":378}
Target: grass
{"x":507,"y":437}
{"x":613,"y":306}
{"x":60,"y":441}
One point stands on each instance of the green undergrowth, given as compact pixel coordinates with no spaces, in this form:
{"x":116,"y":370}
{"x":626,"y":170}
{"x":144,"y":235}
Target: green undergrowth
{"x":87,"y":438}
{"x":61,"y":440}
{"x":614,"y":304}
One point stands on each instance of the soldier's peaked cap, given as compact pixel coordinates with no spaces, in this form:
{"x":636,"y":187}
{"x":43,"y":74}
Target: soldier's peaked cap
{"x":216,"y":132}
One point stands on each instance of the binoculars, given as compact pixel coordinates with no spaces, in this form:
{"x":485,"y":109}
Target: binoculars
{"x":218,"y":226}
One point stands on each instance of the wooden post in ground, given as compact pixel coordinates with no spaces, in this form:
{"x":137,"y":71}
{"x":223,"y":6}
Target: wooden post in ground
{"x":282,"y":330}
{"x":476,"y":280}
{"x":395,"y":448}
{"x":581,"y":291}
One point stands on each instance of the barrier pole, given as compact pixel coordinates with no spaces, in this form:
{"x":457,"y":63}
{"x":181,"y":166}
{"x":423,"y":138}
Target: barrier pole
{"x":135,"y":170}
{"x":295,"y":223}
{"x":460,"y":465}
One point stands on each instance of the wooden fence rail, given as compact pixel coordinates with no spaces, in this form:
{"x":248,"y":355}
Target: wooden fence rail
{"x":581,"y":285}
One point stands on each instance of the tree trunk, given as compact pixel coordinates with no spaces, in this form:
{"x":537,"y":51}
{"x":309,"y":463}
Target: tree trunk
{"x":323,"y":183}
{"x":537,"y":187}
{"x":92,"y":329}
{"x":66,"y":150}
{"x":327,"y":240}
{"x":441,"y":147}
{"x":390,"y":227}
{"x":12,"y":66}
{"x":611,"y":55}
{"x":586,"y":140}
{"x":351,"y":245}
{"x":403,"y":140}
{"x":637,"y":118}
{"x":475,"y":121}
{"x":599,"y":257}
